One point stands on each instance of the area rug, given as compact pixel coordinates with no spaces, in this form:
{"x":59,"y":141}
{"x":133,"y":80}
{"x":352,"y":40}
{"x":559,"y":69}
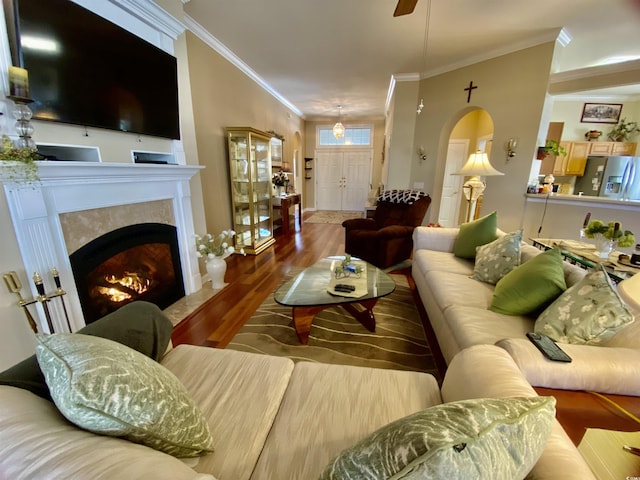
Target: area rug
{"x":336,"y":337}
{"x":332,"y":216}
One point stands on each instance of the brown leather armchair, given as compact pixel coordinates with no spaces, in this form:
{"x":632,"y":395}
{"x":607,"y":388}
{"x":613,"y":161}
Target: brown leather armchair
{"x":386,"y":239}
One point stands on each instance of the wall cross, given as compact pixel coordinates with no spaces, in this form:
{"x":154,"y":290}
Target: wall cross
{"x":469,"y":89}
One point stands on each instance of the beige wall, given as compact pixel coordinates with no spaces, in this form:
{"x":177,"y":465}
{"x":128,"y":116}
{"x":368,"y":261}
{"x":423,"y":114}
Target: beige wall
{"x":570,"y":112}
{"x":512,"y":90}
{"x":227,"y":97}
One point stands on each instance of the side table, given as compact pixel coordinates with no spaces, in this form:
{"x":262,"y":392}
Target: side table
{"x":291,"y":199}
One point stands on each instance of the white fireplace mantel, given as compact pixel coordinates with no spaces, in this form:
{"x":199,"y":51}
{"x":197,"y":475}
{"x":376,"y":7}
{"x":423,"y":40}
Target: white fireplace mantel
{"x":66,"y":187}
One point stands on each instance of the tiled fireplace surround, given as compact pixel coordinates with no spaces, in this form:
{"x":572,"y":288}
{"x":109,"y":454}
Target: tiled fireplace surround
{"x":78,"y":202}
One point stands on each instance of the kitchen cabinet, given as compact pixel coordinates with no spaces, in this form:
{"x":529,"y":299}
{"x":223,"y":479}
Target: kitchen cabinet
{"x":624,"y":148}
{"x":612,"y":148}
{"x":250,"y":175}
{"x":574,"y":161}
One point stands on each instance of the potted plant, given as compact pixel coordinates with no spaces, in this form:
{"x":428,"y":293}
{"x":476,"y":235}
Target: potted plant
{"x":608,"y":235}
{"x":623,"y":131}
{"x":554,"y":147}
{"x":19,"y":162}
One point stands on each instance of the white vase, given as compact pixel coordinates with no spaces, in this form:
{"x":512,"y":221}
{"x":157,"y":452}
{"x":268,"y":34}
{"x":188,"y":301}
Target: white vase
{"x":216,"y":268}
{"x":604,"y":246}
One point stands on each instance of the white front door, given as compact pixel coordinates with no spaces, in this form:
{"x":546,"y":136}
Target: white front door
{"x":343,"y":179}
{"x":452,"y":184}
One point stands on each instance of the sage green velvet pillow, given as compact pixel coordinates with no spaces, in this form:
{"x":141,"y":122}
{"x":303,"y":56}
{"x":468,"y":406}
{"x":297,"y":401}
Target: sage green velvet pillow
{"x":532,"y":286}
{"x":479,"y":438}
{"x":494,"y":260}
{"x":110,"y":389}
{"x":589,"y":312}
{"x":476,"y":233}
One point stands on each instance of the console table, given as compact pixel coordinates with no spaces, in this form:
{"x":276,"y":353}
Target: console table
{"x":283,"y":203}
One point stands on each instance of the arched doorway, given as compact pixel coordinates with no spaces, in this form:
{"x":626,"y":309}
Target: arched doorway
{"x":474,"y":131}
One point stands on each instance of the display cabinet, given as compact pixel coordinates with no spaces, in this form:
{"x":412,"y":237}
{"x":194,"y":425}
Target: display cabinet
{"x":250,"y":173}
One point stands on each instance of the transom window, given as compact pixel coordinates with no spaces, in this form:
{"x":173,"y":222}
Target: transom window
{"x":354,"y":135}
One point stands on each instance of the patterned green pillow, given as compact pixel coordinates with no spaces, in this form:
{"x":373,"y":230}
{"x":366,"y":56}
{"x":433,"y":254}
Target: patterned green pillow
{"x":475,"y":233}
{"x":494,"y":260}
{"x":108,"y":388}
{"x":589,"y":312}
{"x":480,"y":438}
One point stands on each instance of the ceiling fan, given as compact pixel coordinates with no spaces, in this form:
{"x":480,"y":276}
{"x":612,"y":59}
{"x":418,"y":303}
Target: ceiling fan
{"x":404,"y":7}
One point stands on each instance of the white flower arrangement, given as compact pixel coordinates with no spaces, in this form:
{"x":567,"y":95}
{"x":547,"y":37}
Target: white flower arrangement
{"x":209,"y":246}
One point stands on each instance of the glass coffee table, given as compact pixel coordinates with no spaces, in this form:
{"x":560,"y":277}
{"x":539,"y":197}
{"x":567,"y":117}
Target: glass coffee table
{"x":307,"y":294}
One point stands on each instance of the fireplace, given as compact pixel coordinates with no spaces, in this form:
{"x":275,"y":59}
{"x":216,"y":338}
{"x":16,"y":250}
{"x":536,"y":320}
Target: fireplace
{"x":77,"y":202}
{"x":136,"y":262}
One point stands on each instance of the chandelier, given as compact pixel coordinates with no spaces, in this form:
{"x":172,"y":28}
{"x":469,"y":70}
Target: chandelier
{"x":338,"y":128}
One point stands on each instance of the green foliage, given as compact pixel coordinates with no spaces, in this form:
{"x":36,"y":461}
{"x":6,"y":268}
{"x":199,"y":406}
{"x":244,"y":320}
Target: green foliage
{"x":19,"y":163}
{"x":624,"y":238}
{"x":623,"y":131}
{"x":553,"y":146}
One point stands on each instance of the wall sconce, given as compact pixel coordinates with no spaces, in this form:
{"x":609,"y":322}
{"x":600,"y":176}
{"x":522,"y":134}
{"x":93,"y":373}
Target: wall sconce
{"x":512,"y":145}
{"x":421,"y":155}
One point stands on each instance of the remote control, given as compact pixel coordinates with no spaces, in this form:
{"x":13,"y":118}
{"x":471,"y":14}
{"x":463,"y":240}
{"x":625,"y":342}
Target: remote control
{"x":548,"y":347}
{"x":342,"y":287}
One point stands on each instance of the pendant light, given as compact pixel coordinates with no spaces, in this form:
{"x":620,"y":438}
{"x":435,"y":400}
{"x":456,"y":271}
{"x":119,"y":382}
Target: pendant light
{"x":338,"y":128}
{"x":424,"y":51}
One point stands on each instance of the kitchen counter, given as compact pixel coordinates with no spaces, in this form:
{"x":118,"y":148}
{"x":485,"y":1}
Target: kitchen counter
{"x":561,"y":216}
{"x":582,"y":200}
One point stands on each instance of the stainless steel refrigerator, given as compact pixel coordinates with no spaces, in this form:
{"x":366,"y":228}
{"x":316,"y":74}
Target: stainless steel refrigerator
{"x":614,"y":177}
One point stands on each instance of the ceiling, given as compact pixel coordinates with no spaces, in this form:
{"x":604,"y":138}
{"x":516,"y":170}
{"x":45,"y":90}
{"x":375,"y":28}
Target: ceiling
{"x":317,"y":55}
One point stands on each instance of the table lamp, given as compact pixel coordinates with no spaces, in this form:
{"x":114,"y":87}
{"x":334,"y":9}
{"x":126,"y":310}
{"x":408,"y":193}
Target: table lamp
{"x":477,"y":166}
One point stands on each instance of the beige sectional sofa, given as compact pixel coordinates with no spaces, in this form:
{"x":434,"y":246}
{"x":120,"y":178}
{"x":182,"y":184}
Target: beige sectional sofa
{"x":269,"y":418}
{"x":458,"y":310}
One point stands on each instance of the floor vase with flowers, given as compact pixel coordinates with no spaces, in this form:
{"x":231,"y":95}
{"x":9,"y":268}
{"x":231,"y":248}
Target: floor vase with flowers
{"x":216,"y":268}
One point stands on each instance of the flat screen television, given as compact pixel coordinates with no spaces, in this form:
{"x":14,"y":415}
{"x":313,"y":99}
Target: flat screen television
{"x":85,"y":70}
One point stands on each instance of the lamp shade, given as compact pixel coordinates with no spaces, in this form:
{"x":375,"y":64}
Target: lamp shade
{"x":478,"y":165}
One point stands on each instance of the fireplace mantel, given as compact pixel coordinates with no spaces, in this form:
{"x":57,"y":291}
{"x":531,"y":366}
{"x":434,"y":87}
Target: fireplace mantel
{"x":66,"y":187}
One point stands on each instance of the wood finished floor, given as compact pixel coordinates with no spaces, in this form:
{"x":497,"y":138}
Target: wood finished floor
{"x":252,"y":279}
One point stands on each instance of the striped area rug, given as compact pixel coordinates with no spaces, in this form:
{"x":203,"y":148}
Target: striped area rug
{"x":336,"y":337}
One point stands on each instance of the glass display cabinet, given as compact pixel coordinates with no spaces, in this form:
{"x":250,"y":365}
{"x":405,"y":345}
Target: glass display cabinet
{"x":250,"y":172}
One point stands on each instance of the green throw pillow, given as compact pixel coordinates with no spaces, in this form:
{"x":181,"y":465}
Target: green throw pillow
{"x":532,"y":286}
{"x":587,"y":313}
{"x":476,"y":233}
{"x":480,"y":438}
{"x":494,"y":260}
{"x":107,"y":388}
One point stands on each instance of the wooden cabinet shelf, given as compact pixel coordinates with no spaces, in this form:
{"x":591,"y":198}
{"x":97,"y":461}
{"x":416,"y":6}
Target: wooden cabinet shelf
{"x":574,"y":162}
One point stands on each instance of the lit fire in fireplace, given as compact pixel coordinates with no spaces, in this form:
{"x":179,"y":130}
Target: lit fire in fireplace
{"x":125,"y":287}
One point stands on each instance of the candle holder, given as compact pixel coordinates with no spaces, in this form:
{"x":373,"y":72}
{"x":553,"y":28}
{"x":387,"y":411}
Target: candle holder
{"x":14,"y":285}
{"x":24,"y":129}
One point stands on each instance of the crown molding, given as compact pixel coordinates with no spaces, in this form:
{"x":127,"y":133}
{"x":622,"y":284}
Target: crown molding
{"x":580,"y":73}
{"x":153,"y":15}
{"x":221,"y":49}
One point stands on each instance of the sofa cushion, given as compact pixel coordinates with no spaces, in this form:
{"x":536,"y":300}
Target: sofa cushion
{"x":432,"y":260}
{"x":108,"y":388}
{"x":475,"y":233}
{"x":452,"y":289}
{"x":589,"y":312}
{"x":474,"y":326}
{"x":479,"y":438}
{"x":313,"y":426}
{"x":37,"y":442}
{"x":532,"y":286}
{"x":494,"y":260}
{"x":139,"y":325}
{"x":239,"y":393}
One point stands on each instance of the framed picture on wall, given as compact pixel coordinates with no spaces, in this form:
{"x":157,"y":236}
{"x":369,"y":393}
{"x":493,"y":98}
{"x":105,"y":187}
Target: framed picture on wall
{"x":601,"y":113}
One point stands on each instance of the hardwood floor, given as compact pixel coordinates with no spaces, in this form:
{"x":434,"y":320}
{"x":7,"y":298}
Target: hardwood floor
{"x":252,"y":279}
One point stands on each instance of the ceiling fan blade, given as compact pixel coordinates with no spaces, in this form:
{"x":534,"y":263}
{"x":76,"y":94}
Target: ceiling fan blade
{"x":404,"y":7}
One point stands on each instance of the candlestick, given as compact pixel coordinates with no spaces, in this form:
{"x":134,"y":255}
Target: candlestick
{"x":18,"y":82}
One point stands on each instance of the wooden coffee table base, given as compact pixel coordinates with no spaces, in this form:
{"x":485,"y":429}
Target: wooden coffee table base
{"x":303,"y":316}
